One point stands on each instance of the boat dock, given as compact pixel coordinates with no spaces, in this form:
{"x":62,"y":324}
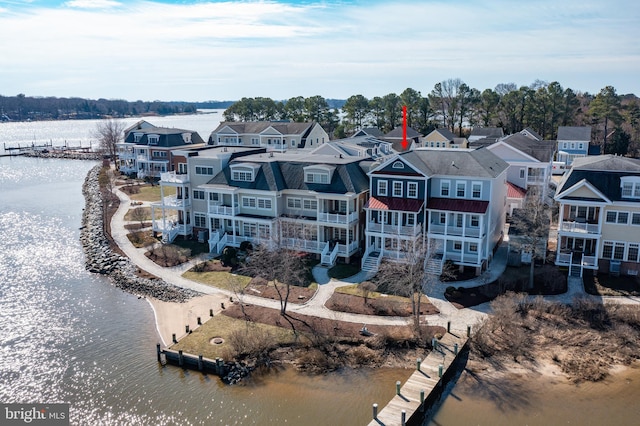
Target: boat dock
{"x":48,"y":150}
{"x":425,"y":385}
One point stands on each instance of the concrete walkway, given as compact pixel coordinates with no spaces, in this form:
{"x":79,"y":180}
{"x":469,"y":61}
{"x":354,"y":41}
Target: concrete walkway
{"x":458,"y":318}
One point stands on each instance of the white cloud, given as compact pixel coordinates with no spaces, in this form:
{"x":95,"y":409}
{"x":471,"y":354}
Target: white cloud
{"x":225,"y":50}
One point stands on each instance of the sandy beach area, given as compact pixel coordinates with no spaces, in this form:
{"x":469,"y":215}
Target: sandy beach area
{"x":173,"y":317}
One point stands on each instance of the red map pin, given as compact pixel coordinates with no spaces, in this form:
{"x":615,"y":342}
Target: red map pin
{"x":405,"y":143}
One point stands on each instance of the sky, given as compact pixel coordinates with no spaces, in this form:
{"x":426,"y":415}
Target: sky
{"x":193,"y":50}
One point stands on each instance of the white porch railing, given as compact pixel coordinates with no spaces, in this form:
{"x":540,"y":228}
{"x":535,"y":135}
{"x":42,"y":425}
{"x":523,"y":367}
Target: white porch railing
{"x":213,"y":241}
{"x":347,"y":249}
{"x":337,"y":217}
{"x":564,"y":259}
{"x":578,"y":227}
{"x":304,"y":245}
{"x":473,"y":232}
{"x":221,"y":243}
{"x":174,"y":201}
{"x":412,"y":230}
{"x":589,"y":261}
{"x":222,"y":210}
{"x":173,"y":177}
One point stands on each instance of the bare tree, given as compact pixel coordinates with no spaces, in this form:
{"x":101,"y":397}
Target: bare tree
{"x":410,"y":275}
{"x":280,"y":263}
{"x":529,"y":230}
{"x":366,"y":287}
{"x":109,"y":133}
{"x":139,"y":214}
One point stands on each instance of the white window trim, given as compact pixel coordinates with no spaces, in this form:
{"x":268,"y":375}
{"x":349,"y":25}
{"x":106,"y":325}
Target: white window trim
{"x":410,"y":186}
{"x":459,"y":182}
{"x":472,"y":185}
{"x":383,"y":184}
{"x":442,"y":184}
{"x":393,"y":189}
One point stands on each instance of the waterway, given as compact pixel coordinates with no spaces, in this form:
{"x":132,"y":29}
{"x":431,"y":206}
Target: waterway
{"x":69,"y":336}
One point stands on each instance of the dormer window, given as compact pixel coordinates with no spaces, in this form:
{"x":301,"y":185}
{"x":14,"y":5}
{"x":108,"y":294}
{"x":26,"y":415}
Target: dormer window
{"x":137,"y":137}
{"x":153,"y":139}
{"x":630,"y":187}
{"x":186,"y":137}
{"x":318,"y":174}
{"x":244,"y":172}
{"x":398,"y":165}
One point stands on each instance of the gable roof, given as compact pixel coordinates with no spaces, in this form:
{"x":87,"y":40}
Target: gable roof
{"x":168,"y":137}
{"x":573,"y":133}
{"x":256,"y":127}
{"x":445,"y":133}
{"x":532,"y":133}
{"x":542,"y":151}
{"x":602,"y":172}
{"x":397,"y":133}
{"x":514,"y":191}
{"x":456,"y":162}
{"x":369,"y":131}
{"x":487,"y":132}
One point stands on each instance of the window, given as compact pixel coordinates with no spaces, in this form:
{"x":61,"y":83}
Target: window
{"x":411,"y":219}
{"x":198,"y":194}
{"x":214,"y":196}
{"x":153,"y":139}
{"x":398,"y":165}
{"x":397,"y":188}
{"x":617,"y":217}
{"x":412,"y":190}
{"x":294,"y":203}
{"x":200,"y":220}
{"x":460,"y":189}
{"x":264,"y":203}
{"x":442,"y":219}
{"x":459,"y":220}
{"x":522,"y":173}
{"x":457,"y":246}
{"x":473,"y":247}
{"x":182,"y":168}
{"x":475,"y":221}
{"x":635,"y":219}
{"x":249,"y":202}
{"x":242,"y":176}
{"x":249,"y":229}
{"x":316,"y":177}
{"x":382,"y":188}
{"x":309,"y":204}
{"x":613,"y":250}
{"x":476,"y":190}
{"x":444,"y":188}
{"x":162,"y":154}
{"x":634,"y":252}
{"x":630,"y":186}
{"x":293,"y":142}
{"x":200,"y":170}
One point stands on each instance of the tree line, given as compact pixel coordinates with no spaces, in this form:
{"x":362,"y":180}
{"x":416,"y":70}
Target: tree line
{"x":22,"y":108}
{"x":452,"y":104}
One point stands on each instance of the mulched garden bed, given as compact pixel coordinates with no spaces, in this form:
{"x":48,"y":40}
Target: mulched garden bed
{"x":323,"y":326}
{"x":548,"y":280}
{"x":380,"y":306}
{"x":297,"y":295}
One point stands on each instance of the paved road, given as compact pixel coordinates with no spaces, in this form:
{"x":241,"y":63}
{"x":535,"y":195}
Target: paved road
{"x":459,"y":318}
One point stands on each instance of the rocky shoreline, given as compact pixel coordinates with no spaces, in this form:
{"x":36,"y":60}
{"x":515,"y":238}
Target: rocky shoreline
{"x":101,"y":259}
{"x":68,"y":155}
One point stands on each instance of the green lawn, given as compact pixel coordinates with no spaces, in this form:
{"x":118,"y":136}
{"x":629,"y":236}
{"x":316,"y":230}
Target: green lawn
{"x":220,"y":279}
{"x":354,"y":291}
{"x":151,"y":193}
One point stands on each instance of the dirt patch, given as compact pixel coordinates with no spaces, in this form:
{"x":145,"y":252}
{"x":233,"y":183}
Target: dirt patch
{"x":608,"y":285}
{"x":380,"y":306}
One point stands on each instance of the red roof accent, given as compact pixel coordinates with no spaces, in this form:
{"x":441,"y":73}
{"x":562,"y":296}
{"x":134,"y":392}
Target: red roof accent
{"x":463,"y":206}
{"x":391,"y":203}
{"x":514,"y":191}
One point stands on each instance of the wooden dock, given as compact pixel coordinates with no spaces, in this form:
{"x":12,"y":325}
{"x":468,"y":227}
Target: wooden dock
{"x":425,"y":386}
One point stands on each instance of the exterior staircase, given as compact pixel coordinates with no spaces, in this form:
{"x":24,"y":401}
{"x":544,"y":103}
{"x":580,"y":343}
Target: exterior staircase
{"x":371,"y":262}
{"x":434,"y":265}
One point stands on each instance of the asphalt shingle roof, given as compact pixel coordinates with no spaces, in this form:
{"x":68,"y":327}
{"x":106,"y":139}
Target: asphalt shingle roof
{"x":540,"y":150}
{"x":479,"y":162}
{"x":573,"y":133}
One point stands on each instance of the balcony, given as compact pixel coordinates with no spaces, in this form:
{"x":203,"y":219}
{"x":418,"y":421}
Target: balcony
{"x":471,"y":232}
{"x":173,"y":177}
{"x":580,"y":227}
{"x":384,"y":228}
{"x":311,"y":246}
{"x":340,"y":218}
{"x":223,"y":210}
{"x":175,"y":202}
{"x":535,"y":179}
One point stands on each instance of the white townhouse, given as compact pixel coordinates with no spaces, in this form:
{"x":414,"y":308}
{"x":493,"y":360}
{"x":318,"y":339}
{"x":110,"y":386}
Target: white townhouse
{"x":530,"y":162}
{"x":180,"y":199}
{"x":454,"y":200}
{"x":278,"y":136}
{"x":310,"y":203}
{"x":147,"y":151}
{"x":599,"y":219}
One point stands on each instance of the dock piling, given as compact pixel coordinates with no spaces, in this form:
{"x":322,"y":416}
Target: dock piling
{"x":375,"y":411}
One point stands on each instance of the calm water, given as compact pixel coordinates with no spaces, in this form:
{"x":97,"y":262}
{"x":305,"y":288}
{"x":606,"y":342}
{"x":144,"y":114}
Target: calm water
{"x":69,"y":336}
{"x":82,"y":132}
